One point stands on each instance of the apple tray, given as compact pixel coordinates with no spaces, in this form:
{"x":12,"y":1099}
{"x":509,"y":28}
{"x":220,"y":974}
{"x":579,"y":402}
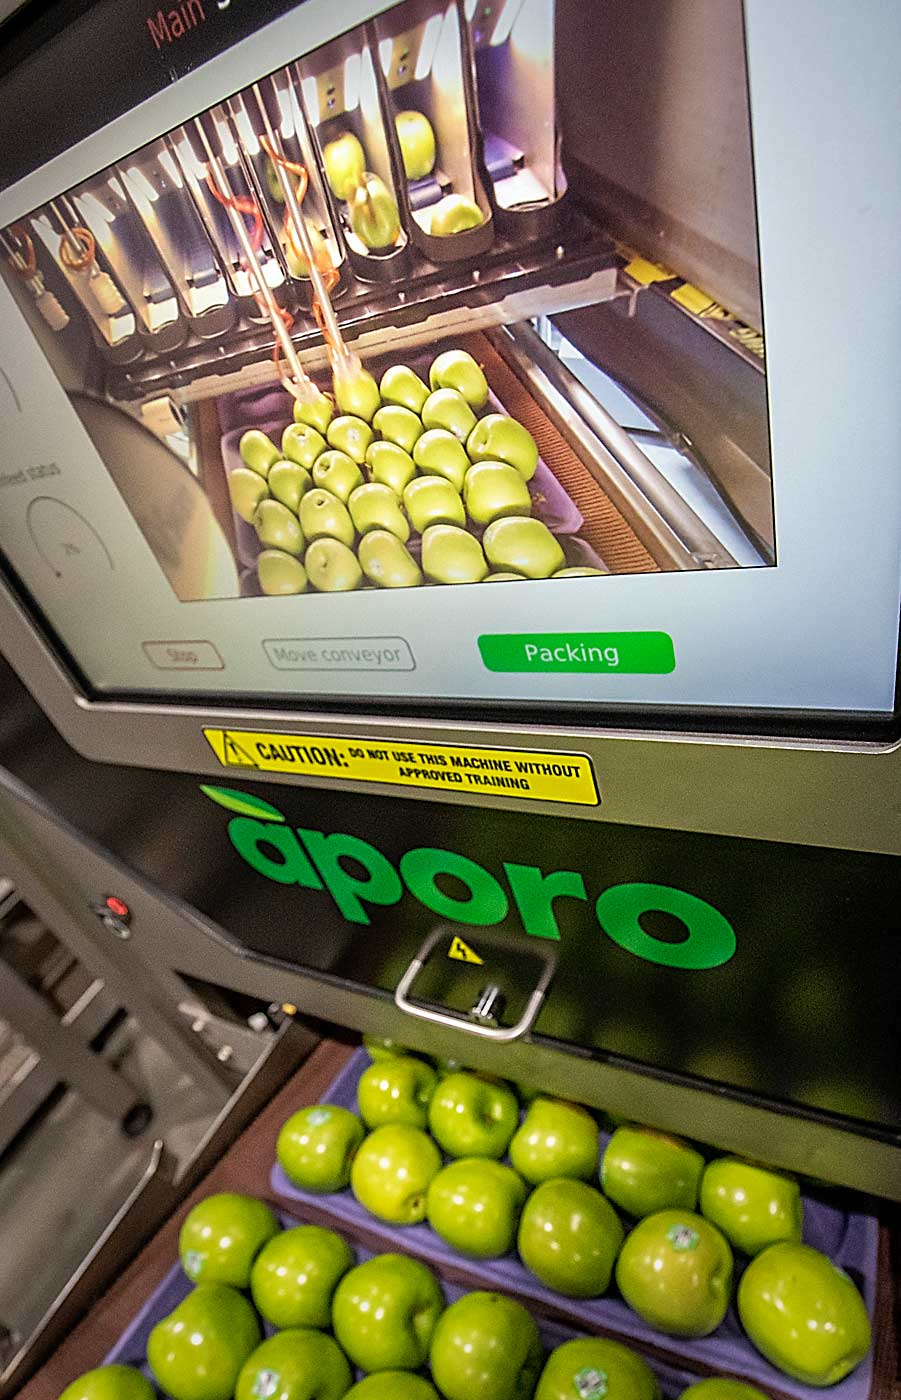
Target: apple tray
{"x":852,"y":1241}
{"x":131,"y":1347}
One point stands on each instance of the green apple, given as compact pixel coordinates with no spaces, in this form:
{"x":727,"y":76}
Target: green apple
{"x":453,"y":214}
{"x":273,"y":183}
{"x":222,"y":1235}
{"x":401,"y":387}
{"x":390,"y":465}
{"x":299,"y":1364}
{"x":577,"y":573}
{"x":486,"y":1346}
{"x":643,"y":1171}
{"x":431,"y":500}
{"x":391,"y":1173}
{"x":384,"y":1313}
{"x":474,"y":1205}
{"x":288,"y":482}
{"x":332,"y":567}
{"x":803,"y":1314}
{"x":569,"y":1237}
{"x":298,"y":263}
{"x":277,"y":527}
{"x":295,"y":1274}
{"x":302,"y":444}
{"x":556,"y":1138}
{"x":439,"y":453}
{"x":470,"y":1116}
{"x":258,"y":451}
{"x":505,"y":578}
{"x":316,"y":1146}
{"x":315,"y":409}
{"x":445,"y":408}
{"x":675,"y":1270}
{"x":345,"y":163}
{"x":356,"y":392}
{"x":417,"y":143}
{"x":497,"y":438}
{"x":196,"y":1353}
{"x":494,"y":489}
{"x":375,"y":506}
{"x":588,"y":1368}
{"x":393,"y":1385}
{"x":373,"y":213}
{"x":381,"y":1047}
{"x":246,"y":489}
{"x":398,"y":425}
{"x":110,"y":1383}
{"x":323,"y":514}
{"x":752,"y":1205}
{"x":336,"y":472}
{"x":451,"y":555}
{"x":396,"y":1091}
{"x":351,"y":435}
{"x":522,"y":544}
{"x":386,"y":561}
{"x":456,"y":369}
{"x":280,"y":574}
{"x":721,"y":1389}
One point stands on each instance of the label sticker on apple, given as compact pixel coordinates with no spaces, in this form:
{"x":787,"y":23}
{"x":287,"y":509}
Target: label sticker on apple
{"x":683,"y":1237}
{"x":193,"y":1262}
{"x":266,"y":1384}
{"x":319,"y":1116}
{"x":590,"y":1383}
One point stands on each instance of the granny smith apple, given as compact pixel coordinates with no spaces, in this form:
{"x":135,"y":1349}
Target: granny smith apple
{"x":494,"y":489}
{"x":302,"y":444}
{"x":439,"y":453}
{"x":222,"y":1235}
{"x":390,"y":465}
{"x":336,"y":472}
{"x":486,"y":1346}
{"x":382,"y":1047}
{"x":196,"y":1353}
{"x":391,"y":1173}
{"x":332,"y":567}
{"x":393,"y":1385}
{"x":474,"y":1205}
{"x":315,"y":409}
{"x":374,"y":217}
{"x":375,"y":506}
{"x":523,"y":545}
{"x":451,"y":555}
{"x":577,"y":573}
{"x":246,"y":489}
{"x":398,"y":1090}
{"x":569,"y":1237}
{"x":402,"y":387}
{"x":280,"y":574}
{"x":453,"y":214}
{"x":431,"y":500}
{"x":295,"y":1274}
{"x":273,"y":183}
{"x":417,"y":143}
{"x":398,"y":425}
{"x":110,"y":1383}
{"x":386,"y":561}
{"x":277,"y":527}
{"x":497,"y":438}
{"x":316,"y":1146}
{"x":322,"y":514}
{"x":384,"y":1313}
{"x":595,"y":1368}
{"x":470,"y":1116}
{"x":719,"y":1388}
{"x":675,"y":1270}
{"x":456,"y":369}
{"x":643,"y":1171}
{"x":350,"y":434}
{"x":446,"y":408}
{"x":356,"y":392}
{"x":258,"y":451}
{"x":298,"y":262}
{"x":803,"y":1314}
{"x":505,"y":578}
{"x":752,"y":1205}
{"x":288,"y":482}
{"x":298,"y":1364}
{"x":556,"y":1138}
{"x":345,"y":162}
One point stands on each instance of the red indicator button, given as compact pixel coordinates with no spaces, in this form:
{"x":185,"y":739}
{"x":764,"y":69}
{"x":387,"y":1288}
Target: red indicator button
{"x":117,"y":906}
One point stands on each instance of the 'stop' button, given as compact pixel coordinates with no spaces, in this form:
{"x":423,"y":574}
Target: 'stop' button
{"x":183,"y":656}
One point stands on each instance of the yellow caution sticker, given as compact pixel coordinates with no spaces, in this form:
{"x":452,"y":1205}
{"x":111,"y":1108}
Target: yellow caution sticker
{"x":463,"y":953}
{"x":539,"y":777}
{"x":699,"y":303}
{"x":647,"y":272}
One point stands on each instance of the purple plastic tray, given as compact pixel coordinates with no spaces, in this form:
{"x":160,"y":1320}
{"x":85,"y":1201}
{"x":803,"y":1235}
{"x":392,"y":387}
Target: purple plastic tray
{"x":851,"y":1241}
{"x":131,"y":1347}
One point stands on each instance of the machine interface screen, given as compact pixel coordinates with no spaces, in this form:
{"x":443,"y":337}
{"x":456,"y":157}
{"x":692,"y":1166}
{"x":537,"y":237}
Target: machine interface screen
{"x":431,"y":488}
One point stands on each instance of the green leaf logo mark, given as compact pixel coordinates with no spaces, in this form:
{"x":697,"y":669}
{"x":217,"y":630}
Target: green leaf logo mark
{"x":243,"y":803}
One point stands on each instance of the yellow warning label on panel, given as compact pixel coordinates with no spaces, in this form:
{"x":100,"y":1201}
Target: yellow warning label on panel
{"x":540,"y":777}
{"x":647,"y":272}
{"x":699,"y":303}
{"x":462,"y":952}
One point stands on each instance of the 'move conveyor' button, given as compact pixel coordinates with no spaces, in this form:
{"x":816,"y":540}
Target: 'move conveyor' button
{"x":339,"y":654}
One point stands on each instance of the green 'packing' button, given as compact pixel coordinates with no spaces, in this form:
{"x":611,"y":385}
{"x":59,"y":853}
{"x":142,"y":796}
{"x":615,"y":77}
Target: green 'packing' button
{"x":608,"y":653}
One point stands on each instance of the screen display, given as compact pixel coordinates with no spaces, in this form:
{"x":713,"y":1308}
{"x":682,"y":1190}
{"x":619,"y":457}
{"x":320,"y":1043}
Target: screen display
{"x":519,"y":462}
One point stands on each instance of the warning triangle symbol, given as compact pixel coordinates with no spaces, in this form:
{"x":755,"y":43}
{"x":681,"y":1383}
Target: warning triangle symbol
{"x":235,"y":756}
{"x":462,"y":952}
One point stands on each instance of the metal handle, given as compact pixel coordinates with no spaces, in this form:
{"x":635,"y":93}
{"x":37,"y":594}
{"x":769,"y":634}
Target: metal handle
{"x":454,"y":1020}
